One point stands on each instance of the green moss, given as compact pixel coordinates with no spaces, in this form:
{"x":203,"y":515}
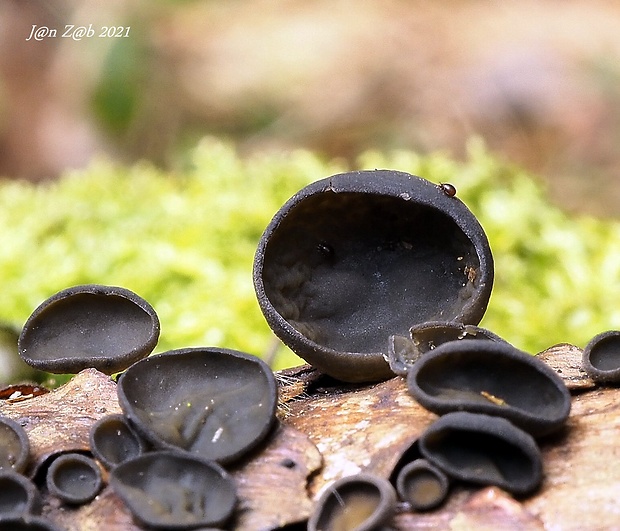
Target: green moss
{"x":185,"y":242}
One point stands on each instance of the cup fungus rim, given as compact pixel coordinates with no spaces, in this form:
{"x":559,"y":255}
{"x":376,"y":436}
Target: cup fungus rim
{"x":33,"y":499}
{"x":107,"y":364}
{"x":347,"y":365}
{"x":64,"y":495}
{"x":120,"y":417}
{"x":531,"y":421}
{"x":23,"y":456}
{"x":145,"y":430}
{"x":597,"y":374}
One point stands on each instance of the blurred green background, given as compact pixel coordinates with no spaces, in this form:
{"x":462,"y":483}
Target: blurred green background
{"x":154,"y":161}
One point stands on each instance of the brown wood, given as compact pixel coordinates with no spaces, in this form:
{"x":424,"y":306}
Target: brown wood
{"x":328,"y":430}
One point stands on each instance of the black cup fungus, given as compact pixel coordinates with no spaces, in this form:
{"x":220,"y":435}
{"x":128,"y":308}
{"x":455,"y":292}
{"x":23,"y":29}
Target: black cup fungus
{"x":601,"y":357}
{"x":104,"y":327}
{"x":352,"y":259}
{"x":485,"y":450}
{"x":74,"y":478}
{"x":113,"y":440}
{"x":491,"y":377}
{"x":175,"y":490}
{"x":18,"y":494}
{"x":422,"y":485}
{"x":363,"y":502}
{"x":14,"y":446}
{"x":215,"y":402}
{"x":404,"y":351}
{"x":26,"y":522}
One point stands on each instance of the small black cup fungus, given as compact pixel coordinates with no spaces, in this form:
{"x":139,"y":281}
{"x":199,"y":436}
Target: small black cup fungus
{"x":14,"y":446}
{"x":26,"y":522}
{"x":104,"y":327}
{"x":18,"y":494}
{"x":215,"y":402}
{"x":363,"y":502}
{"x":352,"y":259}
{"x":601,"y":357}
{"x":175,"y":490}
{"x":74,"y":478}
{"x":485,"y":450}
{"x":424,"y":337}
{"x":422,"y":485}
{"x":491,"y":377}
{"x":113,"y":440}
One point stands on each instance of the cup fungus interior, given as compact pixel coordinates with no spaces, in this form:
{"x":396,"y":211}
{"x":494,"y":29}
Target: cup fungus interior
{"x":74,"y":478}
{"x":217,"y":403}
{"x":14,"y":446}
{"x":17,"y":493}
{"x":354,"y":503}
{"x":343,"y":262}
{"x":491,"y":377}
{"x":171,"y":490}
{"x":603,"y":353}
{"x":493,"y":456}
{"x":107,"y":328}
{"x":422,"y":485}
{"x":113,"y":440}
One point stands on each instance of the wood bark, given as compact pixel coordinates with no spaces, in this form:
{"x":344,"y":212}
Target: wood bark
{"x":327,"y":430}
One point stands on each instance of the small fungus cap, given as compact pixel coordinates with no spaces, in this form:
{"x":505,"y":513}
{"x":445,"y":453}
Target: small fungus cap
{"x":424,"y":337}
{"x":363,"y":502}
{"x":113,"y":440}
{"x":74,"y":478}
{"x":485,"y":450}
{"x":601,"y":357}
{"x":355,"y":258}
{"x":214,"y":402}
{"x":104,"y":327}
{"x":14,"y":446}
{"x":422,"y":485}
{"x":18,"y":494}
{"x":175,"y":490}
{"x":491,"y":377}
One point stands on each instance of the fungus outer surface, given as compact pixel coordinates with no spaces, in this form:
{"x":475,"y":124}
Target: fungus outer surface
{"x":113,"y":440}
{"x":14,"y":446}
{"x":217,"y":403}
{"x":17,"y":494}
{"x":104,"y":327}
{"x":485,"y":450}
{"x":355,"y":258}
{"x":175,"y":490}
{"x":601,"y":357}
{"x":363,"y":502}
{"x":423,"y":485}
{"x":74,"y":478}
{"x":494,"y":378}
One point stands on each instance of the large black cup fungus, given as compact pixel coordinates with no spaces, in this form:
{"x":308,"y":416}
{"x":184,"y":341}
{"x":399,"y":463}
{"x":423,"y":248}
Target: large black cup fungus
{"x":175,"y":490}
{"x":14,"y":446}
{"x":422,"y":485}
{"x":18,"y":494}
{"x":355,"y":258}
{"x":113,"y":440}
{"x":601,"y":357}
{"x":104,"y":327}
{"x":363,"y":502}
{"x":491,"y":377}
{"x":424,"y":337}
{"x":26,"y":522}
{"x":74,"y":478}
{"x":215,"y":402}
{"x":485,"y":450}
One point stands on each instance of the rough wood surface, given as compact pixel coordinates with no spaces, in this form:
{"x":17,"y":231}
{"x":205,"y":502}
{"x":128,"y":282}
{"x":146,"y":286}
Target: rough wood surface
{"x":328,"y":430}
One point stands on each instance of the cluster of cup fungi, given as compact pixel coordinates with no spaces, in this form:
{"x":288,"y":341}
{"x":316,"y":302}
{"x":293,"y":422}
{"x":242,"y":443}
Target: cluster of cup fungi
{"x":366,"y":275}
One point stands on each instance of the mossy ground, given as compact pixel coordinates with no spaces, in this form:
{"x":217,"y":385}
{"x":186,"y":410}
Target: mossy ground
{"x":185,"y":242}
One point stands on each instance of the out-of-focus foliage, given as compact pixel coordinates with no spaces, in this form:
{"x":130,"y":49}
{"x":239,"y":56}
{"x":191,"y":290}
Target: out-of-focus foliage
{"x":185,"y":242}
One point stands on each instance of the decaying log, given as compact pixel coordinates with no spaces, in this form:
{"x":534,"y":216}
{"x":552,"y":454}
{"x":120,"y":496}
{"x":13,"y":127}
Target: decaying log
{"x":327,"y":430}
